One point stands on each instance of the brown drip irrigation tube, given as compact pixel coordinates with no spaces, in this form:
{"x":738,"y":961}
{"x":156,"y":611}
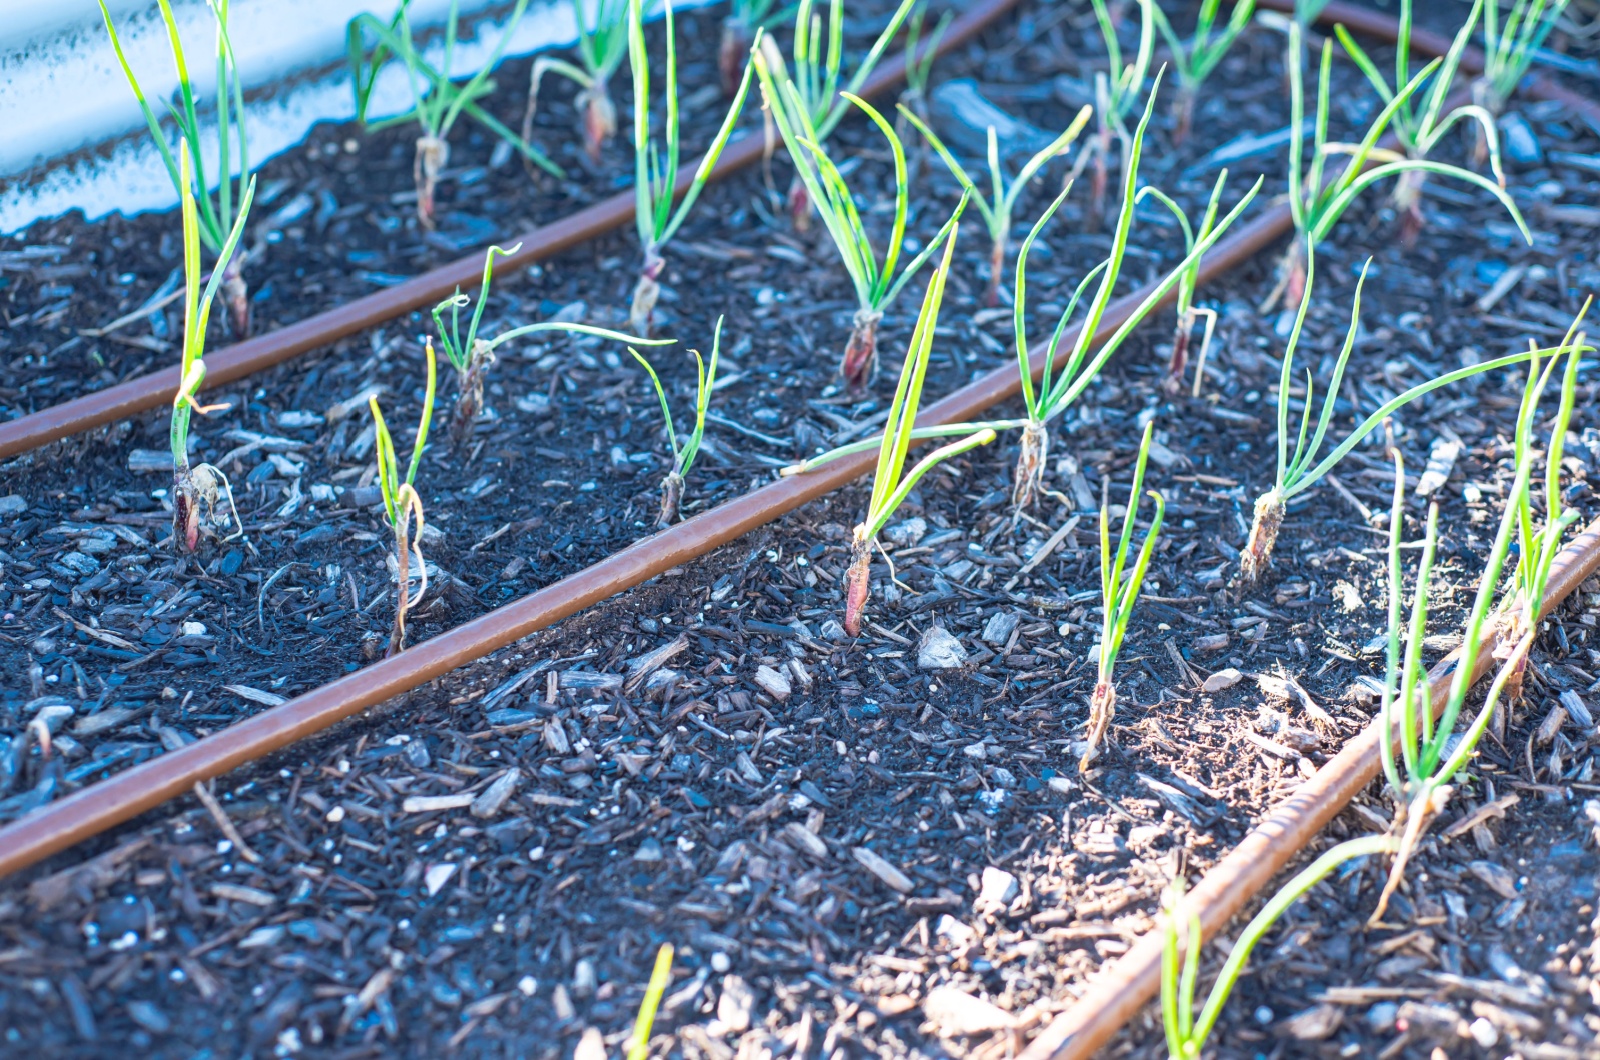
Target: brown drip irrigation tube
{"x":257,"y":354}
{"x":1116,"y":995}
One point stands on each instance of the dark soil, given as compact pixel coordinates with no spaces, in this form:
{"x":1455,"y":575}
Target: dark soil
{"x":698,"y":802}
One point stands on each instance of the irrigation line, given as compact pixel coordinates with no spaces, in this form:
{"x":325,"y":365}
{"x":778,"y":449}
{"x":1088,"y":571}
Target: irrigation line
{"x":1118,"y":993}
{"x":232,"y":363}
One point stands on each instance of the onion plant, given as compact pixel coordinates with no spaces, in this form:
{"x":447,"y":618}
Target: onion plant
{"x":660,"y":979}
{"x":436,"y":100}
{"x":1299,"y":471}
{"x":1509,"y":48}
{"x":1318,"y":204}
{"x":745,"y":17}
{"x":1189,"y":313}
{"x":601,"y":48}
{"x":1119,"y":591}
{"x":472,"y":357}
{"x":920,"y":55}
{"x":818,"y":88}
{"x":683,"y":453}
{"x":402,"y":503}
{"x":1431,"y":753}
{"x":876,"y":285}
{"x":1536,"y":549}
{"x":1060,"y":385}
{"x":202,"y":485}
{"x":997,"y":209}
{"x":217,"y":213}
{"x":891,"y":482}
{"x":1116,"y":96}
{"x":1420,"y":128}
{"x":655,"y":170}
{"x":1196,"y":60}
{"x":1187,"y":1031}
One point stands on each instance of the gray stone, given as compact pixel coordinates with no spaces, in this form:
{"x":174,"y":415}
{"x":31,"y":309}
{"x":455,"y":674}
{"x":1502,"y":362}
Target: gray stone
{"x":906,"y":533}
{"x":1518,"y":141}
{"x":964,"y":117}
{"x":998,"y":888}
{"x":79,"y":564}
{"x":940,"y":650}
{"x":999,"y":628}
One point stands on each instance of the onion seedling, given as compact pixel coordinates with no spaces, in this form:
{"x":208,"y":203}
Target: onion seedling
{"x":819,"y":91}
{"x":919,"y":67}
{"x":401,"y":503}
{"x":193,"y":487}
{"x":1119,"y":591}
{"x":1509,"y":48}
{"x":1431,"y":753}
{"x":1059,"y":387}
{"x":1536,"y":549}
{"x":1188,"y":312}
{"x":1116,"y":95}
{"x":1419,"y":129}
{"x":1187,"y":1032}
{"x":601,"y":48}
{"x":876,"y":285}
{"x":472,"y":357}
{"x":1196,"y":60}
{"x":436,"y":100}
{"x":998,"y":209}
{"x":660,"y":979}
{"x":217,"y":214}
{"x":655,"y":171}
{"x":1301,"y":470}
{"x":683,"y":454}
{"x":745,"y":17}
{"x":890,"y":482}
{"x":1318,"y":204}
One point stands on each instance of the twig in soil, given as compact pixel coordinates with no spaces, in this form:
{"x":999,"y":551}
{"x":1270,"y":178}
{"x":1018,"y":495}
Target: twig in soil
{"x":1119,"y":590}
{"x":201,"y":486}
{"x":1196,"y":62}
{"x":1318,"y":204}
{"x":601,"y":47}
{"x":220,"y":816}
{"x":401,"y":502}
{"x":683,"y":454}
{"x":1059,"y":387}
{"x":436,"y":101}
{"x":1186,"y":1031}
{"x":218,"y":218}
{"x":876,"y":286}
{"x":997,"y":213}
{"x":1420,"y":131}
{"x":656,"y":172}
{"x":890,"y":483}
{"x":472,"y":357}
{"x":1300,"y":471}
{"x":819,"y":95}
